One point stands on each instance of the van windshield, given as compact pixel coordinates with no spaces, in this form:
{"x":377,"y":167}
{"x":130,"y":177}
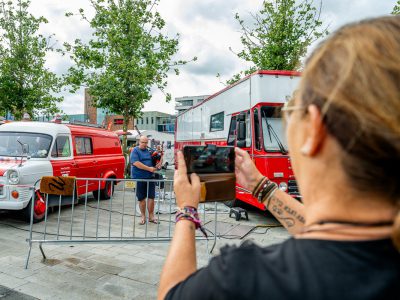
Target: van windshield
{"x":38,"y":145}
{"x":273,"y":129}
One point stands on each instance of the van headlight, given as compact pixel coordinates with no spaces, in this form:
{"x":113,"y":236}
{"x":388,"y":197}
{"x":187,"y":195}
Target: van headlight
{"x":283,"y":186}
{"x":13,"y":176}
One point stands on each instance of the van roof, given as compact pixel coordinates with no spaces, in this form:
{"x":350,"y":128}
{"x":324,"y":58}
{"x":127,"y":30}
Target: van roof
{"x":40,"y":127}
{"x":54,"y":128}
{"x":79,"y":129}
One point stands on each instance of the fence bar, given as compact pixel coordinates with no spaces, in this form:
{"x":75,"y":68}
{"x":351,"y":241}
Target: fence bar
{"x":135,"y":203}
{"x":111,"y":198}
{"x":123,"y":210}
{"x":45,"y":216}
{"x":59,"y":215}
{"x":72,"y":209}
{"x":98,"y":205}
{"x":146,"y":216}
{"x":84,"y":213}
{"x":158,"y":208}
{"x":170,"y":210}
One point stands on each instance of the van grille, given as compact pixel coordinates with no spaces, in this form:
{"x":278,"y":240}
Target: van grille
{"x":293,"y":189}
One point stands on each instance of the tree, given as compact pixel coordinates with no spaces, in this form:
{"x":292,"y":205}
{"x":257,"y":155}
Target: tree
{"x":126,"y":56}
{"x":280,"y":35}
{"x":26,"y":85}
{"x":396,"y":8}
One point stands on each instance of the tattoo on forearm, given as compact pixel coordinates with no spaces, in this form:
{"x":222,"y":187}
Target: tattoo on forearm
{"x":281,"y":211}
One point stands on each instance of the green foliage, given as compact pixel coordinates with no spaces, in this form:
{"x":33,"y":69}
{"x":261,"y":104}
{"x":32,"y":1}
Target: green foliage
{"x":396,"y":8}
{"x":280,"y":35}
{"x":126,"y":57}
{"x":26,"y":85}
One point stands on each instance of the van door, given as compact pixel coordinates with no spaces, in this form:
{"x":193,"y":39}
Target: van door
{"x":61,"y":157}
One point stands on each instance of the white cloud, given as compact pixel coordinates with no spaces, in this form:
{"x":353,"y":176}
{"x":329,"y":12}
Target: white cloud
{"x":207,"y":29}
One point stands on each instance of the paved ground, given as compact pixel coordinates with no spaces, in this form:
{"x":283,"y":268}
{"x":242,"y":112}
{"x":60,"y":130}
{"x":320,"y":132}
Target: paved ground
{"x":108,"y":271}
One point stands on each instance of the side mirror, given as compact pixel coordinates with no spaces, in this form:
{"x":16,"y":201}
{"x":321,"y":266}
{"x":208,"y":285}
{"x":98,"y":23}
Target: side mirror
{"x":241,"y":144}
{"x":241,"y":131}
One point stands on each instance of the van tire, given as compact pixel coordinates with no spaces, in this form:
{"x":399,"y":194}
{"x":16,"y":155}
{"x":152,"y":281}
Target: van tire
{"x":105,"y":193}
{"x":38,"y":214}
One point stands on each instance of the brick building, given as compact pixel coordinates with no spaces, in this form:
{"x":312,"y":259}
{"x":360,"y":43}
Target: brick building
{"x":151,"y":120}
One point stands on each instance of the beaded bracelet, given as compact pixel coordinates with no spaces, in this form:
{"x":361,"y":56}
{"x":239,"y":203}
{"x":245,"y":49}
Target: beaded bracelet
{"x":190,"y":213}
{"x":260,"y":186}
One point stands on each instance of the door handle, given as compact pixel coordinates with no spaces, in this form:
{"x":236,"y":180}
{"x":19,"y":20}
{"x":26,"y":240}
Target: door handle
{"x":74,"y":164}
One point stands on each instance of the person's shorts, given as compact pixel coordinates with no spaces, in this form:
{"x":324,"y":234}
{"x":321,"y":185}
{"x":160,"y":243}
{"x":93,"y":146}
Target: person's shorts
{"x":142,"y":192}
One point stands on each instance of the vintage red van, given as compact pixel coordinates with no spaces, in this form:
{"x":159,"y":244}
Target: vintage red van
{"x":31,"y":150}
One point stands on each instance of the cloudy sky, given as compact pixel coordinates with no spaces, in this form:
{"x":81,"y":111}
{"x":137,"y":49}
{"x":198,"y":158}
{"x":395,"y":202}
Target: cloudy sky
{"x":207,"y":29}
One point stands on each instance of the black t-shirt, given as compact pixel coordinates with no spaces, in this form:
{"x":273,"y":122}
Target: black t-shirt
{"x":298,"y":269}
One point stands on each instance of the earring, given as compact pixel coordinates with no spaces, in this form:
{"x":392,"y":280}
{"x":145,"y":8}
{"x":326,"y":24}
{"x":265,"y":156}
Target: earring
{"x":305,"y":150}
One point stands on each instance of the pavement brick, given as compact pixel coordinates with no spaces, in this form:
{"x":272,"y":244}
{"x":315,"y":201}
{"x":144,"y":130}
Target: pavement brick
{"x":11,"y":281}
{"x":109,"y":269}
{"x":146,"y":273}
{"x":10,"y":294}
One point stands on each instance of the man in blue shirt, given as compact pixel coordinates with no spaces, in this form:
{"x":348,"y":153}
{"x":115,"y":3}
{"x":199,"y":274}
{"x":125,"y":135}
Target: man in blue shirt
{"x":142,"y":168}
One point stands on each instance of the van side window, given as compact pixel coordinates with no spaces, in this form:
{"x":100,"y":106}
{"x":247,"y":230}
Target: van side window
{"x":61,"y":147}
{"x":257,"y":135}
{"x":83,"y":146}
{"x":232,"y":132}
{"x":248,"y":130}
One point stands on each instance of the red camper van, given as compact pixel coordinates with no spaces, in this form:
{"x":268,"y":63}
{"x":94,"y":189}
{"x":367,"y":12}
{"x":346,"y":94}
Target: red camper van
{"x":31,"y":150}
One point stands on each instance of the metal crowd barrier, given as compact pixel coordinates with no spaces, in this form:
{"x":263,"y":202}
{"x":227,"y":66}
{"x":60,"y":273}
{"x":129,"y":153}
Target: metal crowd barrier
{"x":116,"y":220}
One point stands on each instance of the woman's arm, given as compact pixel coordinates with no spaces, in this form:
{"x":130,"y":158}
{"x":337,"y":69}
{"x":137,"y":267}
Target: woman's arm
{"x":286,"y":209}
{"x":181,"y":258}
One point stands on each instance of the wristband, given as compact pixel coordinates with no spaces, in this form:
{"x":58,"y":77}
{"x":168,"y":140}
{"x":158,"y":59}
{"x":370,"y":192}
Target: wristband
{"x":259,"y":185}
{"x":267,"y":190}
{"x":190,"y":213}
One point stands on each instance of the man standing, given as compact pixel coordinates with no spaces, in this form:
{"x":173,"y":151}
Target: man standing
{"x":142,"y":168}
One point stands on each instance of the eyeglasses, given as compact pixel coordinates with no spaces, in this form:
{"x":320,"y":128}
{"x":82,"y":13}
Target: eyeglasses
{"x":289,"y":107}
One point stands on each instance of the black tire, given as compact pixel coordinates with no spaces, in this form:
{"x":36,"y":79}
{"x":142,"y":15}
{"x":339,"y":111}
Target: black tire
{"x":105,"y":193}
{"x":38,"y":212}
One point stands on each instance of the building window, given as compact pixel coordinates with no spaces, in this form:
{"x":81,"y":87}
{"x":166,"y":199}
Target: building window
{"x":186,"y":102}
{"x":147,"y":120}
{"x":118,"y":121}
{"x":217,"y":122}
{"x":83,"y":146}
{"x":152,"y":120}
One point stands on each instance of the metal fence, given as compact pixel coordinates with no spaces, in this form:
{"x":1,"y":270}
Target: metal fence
{"x":90,"y":219}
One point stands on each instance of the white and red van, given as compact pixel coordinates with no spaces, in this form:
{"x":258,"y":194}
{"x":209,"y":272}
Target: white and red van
{"x":31,"y":150}
{"x":246,"y":114}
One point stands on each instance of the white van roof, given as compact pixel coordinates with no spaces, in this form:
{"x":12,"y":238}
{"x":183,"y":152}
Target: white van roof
{"x":36,"y":127}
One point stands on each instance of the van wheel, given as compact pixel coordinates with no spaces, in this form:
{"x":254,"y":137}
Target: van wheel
{"x":105,"y":193}
{"x":39,"y":209}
